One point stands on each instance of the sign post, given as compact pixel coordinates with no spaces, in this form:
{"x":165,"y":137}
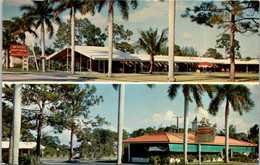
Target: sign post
{"x":204,"y":134}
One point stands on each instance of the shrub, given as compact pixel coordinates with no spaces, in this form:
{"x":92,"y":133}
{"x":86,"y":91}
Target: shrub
{"x":155,"y":159}
{"x":28,"y":159}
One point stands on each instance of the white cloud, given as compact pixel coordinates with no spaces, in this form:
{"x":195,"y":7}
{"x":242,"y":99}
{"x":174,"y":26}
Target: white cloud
{"x":153,"y":10}
{"x":158,"y":119}
{"x":187,"y":36}
{"x":17,"y":2}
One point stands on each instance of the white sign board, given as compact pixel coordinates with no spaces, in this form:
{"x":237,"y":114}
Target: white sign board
{"x":205,"y":134}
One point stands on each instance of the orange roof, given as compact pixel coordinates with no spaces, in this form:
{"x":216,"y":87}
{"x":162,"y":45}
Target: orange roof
{"x":169,"y":137}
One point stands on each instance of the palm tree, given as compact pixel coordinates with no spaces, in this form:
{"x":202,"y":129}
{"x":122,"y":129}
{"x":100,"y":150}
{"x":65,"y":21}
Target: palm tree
{"x":197,"y":91}
{"x":123,"y":6}
{"x":236,"y":96}
{"x":24,"y":24}
{"x":42,"y":14}
{"x":73,"y":6}
{"x":152,"y":43}
{"x":9,"y":27}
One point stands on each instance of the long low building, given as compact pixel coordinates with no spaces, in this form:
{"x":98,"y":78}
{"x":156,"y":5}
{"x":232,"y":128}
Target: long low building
{"x":141,"y":148}
{"x":94,"y":58}
{"x":24,"y":147}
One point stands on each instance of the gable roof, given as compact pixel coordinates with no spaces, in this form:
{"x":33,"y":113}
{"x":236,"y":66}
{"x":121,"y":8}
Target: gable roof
{"x":170,"y":137}
{"x":95,"y":53}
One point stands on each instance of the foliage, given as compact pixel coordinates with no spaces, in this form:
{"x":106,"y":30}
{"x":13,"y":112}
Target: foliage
{"x":25,"y":159}
{"x":224,"y":42}
{"x":152,"y":43}
{"x":72,"y":111}
{"x":244,"y":158}
{"x":253,"y":134}
{"x":189,"y":51}
{"x":177,"y":50}
{"x":97,"y":143}
{"x":211,"y":52}
{"x":86,"y":34}
{"x":121,"y":38}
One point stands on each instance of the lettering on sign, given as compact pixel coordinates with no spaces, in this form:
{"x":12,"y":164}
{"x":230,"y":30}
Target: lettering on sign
{"x":19,"y":50}
{"x":205,"y":134}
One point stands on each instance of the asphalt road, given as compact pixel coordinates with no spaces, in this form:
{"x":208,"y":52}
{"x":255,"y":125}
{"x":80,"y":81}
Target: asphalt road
{"x":42,"y":77}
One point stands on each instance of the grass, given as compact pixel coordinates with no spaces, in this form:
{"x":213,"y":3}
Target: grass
{"x":21,"y":70}
{"x":180,"y":77}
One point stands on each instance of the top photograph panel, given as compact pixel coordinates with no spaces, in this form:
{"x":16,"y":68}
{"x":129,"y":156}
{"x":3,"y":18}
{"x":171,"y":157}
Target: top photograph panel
{"x":130,"y":41}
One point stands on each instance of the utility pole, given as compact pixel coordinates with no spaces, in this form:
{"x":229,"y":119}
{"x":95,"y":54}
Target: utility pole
{"x":177,"y":117}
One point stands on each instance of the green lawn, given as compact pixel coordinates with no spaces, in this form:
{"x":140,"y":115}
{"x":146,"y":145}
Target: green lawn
{"x":180,"y":77}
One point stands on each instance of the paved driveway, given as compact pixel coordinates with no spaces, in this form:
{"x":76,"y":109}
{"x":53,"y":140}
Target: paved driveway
{"x":42,"y":77}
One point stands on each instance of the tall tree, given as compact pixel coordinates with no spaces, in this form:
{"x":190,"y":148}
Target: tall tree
{"x":88,"y":34}
{"x":121,"y":38}
{"x":238,"y":98}
{"x":152,"y":43}
{"x":253,"y":134}
{"x":73,"y":107}
{"x":73,"y":6}
{"x":39,"y":99}
{"x":224,"y":42}
{"x":123,"y":6}
{"x":42,"y":13}
{"x":196,"y":90}
{"x":212,"y":52}
{"x":25,"y":24}
{"x":237,"y":16}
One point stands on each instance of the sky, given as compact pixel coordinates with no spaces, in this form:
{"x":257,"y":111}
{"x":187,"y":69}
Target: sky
{"x":152,"y":14}
{"x":145,"y":107}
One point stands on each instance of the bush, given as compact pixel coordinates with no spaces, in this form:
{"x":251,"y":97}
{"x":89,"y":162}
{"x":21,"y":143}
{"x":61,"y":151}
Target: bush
{"x":155,"y":159}
{"x":28,"y":159}
{"x":18,"y":65}
{"x":243,"y":158}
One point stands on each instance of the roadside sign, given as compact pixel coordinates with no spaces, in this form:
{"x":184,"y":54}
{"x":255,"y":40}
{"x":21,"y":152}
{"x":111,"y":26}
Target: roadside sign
{"x":19,"y":50}
{"x":205,"y":134}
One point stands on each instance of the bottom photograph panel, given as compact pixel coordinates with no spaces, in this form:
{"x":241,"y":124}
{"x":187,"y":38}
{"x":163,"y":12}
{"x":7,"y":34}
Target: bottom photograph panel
{"x":129,"y":123}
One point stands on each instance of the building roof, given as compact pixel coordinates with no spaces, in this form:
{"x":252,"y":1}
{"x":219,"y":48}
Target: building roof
{"x":169,"y":137}
{"x":95,"y":53}
{"x":101,"y":53}
{"x":22,"y":145}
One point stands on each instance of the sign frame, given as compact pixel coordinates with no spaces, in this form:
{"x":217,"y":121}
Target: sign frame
{"x":19,"y":50}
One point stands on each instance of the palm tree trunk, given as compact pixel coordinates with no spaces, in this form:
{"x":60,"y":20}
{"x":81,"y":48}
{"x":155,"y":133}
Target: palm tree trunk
{"x":43,"y":47}
{"x":171,"y":40}
{"x":71,"y":144}
{"x":121,"y":100}
{"x":7,"y":63}
{"x":10,"y":152}
{"x":73,"y":41}
{"x":186,"y":109}
{"x":16,"y":123}
{"x":151,"y":64}
{"x":110,"y":40}
{"x":232,"y":47}
{"x":226,"y":131}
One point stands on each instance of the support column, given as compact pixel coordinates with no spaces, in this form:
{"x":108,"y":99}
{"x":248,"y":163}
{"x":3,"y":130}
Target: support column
{"x":16,"y":122}
{"x":90,"y":64}
{"x":129,"y":153}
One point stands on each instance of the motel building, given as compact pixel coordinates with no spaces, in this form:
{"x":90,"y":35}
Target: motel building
{"x":168,"y":143}
{"x":24,"y":147}
{"x":95,"y":59}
